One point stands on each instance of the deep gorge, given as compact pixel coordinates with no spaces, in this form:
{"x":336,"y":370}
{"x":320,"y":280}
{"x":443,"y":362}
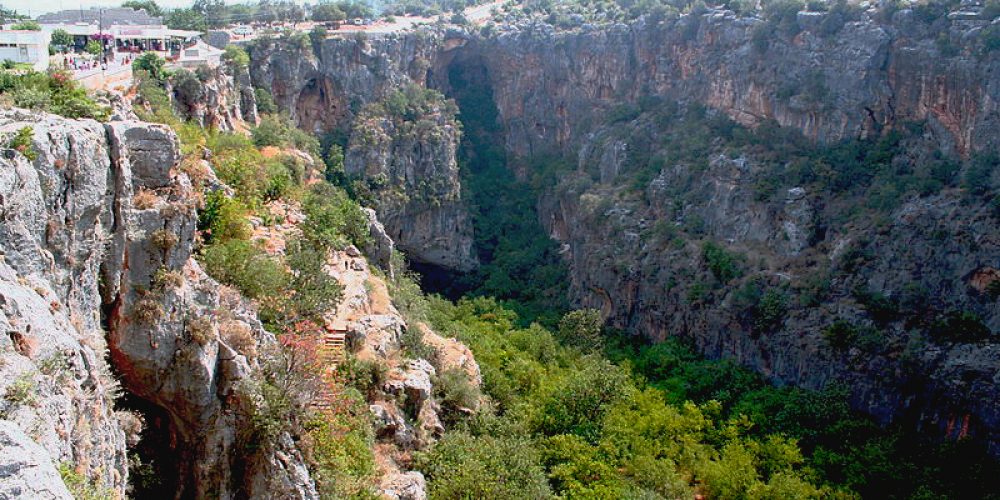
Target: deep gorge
{"x":735,"y":252}
{"x":724,"y":249}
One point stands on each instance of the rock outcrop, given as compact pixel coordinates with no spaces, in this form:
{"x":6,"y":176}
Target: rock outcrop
{"x":81,"y":256}
{"x":408,"y":159}
{"x":325,"y":85}
{"x":219,"y":98}
{"x":637,"y":262}
{"x":29,"y":472}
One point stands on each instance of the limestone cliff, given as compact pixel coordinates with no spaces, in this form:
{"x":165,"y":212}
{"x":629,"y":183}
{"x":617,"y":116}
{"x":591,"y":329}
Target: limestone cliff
{"x":97,"y":240}
{"x":219,"y":98}
{"x":561,"y":92}
{"x":325,"y":85}
{"x":405,"y":153}
{"x":407,"y":158}
{"x":549,"y":85}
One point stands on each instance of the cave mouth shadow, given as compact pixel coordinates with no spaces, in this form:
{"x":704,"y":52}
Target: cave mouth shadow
{"x":155,"y":461}
{"x":320,"y":106}
{"x":448,"y":283}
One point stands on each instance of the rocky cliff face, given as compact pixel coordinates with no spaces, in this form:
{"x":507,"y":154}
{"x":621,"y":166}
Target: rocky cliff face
{"x":409,"y":163}
{"x":222,"y":99}
{"x":97,"y":241}
{"x":644,"y":263}
{"x":408,"y":159}
{"x":555,"y":90}
{"x":551,"y":86}
{"x":325,"y":85}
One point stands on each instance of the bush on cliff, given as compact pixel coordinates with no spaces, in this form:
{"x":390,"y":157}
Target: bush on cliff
{"x":53,"y":92}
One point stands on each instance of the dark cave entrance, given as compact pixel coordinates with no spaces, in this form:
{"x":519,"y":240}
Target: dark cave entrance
{"x":519,"y":262}
{"x":319,"y":107}
{"x":155,"y":462}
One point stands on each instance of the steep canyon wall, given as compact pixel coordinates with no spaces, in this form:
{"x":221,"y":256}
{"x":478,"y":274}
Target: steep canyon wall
{"x":557,"y":91}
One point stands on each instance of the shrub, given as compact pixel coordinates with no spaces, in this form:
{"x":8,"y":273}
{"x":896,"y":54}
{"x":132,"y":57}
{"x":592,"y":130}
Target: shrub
{"x":144,"y":199}
{"x":22,"y":391}
{"x":93,"y":47}
{"x":316,"y":37}
{"x":990,"y":38}
{"x":241,"y":264}
{"x":164,"y":239}
{"x":239,"y":336}
{"x":338,"y":446}
{"x":315,"y":291}
{"x":844,"y":335}
{"x":276,"y":399}
{"x":723,"y":264}
{"x":367,"y":376}
{"x":147,"y":309}
{"x":272,"y":131}
{"x":236,"y":57}
{"x":151,"y":64}
{"x":55,"y":92}
{"x":167,"y":279}
{"x":62,"y":38}
{"x":881,"y":307}
{"x":960,"y":326}
{"x":189,"y":91}
{"x":201,"y":330}
{"x":582,"y":328}
{"x":412,"y":342}
{"x":455,"y":393}
{"x":333,"y":220}
{"x":224,"y":218}
{"x":21,"y":142}
{"x":80,"y":487}
{"x":980,"y":174}
{"x":265,"y":103}
{"x":465,"y":466}
{"x":28,"y":25}
{"x":770,"y":311}
{"x":783,"y":15}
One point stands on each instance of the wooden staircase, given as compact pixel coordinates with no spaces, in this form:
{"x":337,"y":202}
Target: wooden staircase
{"x":333,"y":351}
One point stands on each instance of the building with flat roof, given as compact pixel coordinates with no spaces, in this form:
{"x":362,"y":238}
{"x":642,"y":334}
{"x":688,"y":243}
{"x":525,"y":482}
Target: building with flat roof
{"x":26,"y":47}
{"x":101,"y":16}
{"x":128,"y":37}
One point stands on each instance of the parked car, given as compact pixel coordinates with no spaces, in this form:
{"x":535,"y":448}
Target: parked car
{"x":359,"y":21}
{"x":242,"y":31}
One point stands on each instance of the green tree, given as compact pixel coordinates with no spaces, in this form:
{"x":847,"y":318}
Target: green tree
{"x":265,"y":103}
{"x":214,"y":12}
{"x":186,"y":19}
{"x":149,"y":6}
{"x":27,"y":25}
{"x":152,"y":64}
{"x":236,"y":57}
{"x":62,"y":38}
{"x":465,"y":466}
{"x":328,"y":12}
{"x":582,"y":328}
{"x":93,"y":47}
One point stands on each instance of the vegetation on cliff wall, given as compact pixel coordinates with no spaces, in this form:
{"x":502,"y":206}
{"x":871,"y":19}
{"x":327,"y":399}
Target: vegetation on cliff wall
{"x":274,"y":169}
{"x":661,"y":422}
{"x":520,"y":264}
{"x":53,"y":92}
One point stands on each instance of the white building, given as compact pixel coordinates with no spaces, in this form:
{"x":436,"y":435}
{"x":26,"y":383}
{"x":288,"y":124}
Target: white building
{"x":31,"y":47}
{"x":198,"y":54}
{"x":129,"y":37}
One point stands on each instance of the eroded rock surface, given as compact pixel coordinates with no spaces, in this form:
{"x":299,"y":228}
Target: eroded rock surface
{"x":80,"y":257}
